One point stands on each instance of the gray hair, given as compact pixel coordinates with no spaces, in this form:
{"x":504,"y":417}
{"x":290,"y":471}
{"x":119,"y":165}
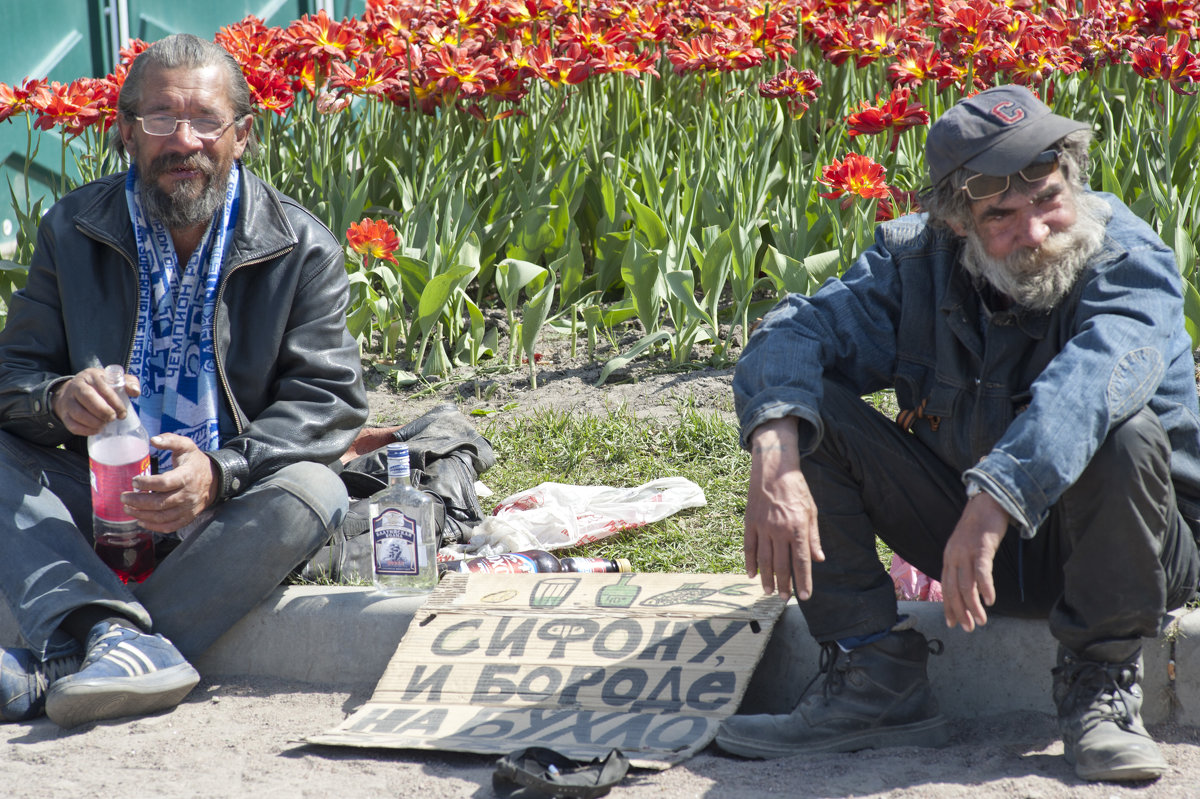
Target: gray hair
{"x":947,"y":204}
{"x":182,"y":51}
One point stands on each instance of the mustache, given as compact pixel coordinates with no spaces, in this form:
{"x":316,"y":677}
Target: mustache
{"x":196,"y":161}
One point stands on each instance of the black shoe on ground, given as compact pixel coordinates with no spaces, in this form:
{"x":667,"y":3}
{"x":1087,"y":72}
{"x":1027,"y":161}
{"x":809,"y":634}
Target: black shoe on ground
{"x":873,"y":696}
{"x":1100,"y":717}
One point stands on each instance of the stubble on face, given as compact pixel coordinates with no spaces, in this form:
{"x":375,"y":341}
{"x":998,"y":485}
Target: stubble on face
{"x":1038,"y":278}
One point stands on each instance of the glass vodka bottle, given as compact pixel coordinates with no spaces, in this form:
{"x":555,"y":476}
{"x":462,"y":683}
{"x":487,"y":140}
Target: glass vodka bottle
{"x":403,"y":532}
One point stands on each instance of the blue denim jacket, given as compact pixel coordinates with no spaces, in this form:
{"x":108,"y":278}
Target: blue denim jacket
{"x":1020,"y":402}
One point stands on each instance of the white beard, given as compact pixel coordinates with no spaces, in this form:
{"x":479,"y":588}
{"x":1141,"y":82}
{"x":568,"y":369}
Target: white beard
{"x":1038,"y":279}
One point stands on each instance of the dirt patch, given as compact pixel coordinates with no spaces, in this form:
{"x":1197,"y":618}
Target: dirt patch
{"x":233,"y":739}
{"x":566,"y":378}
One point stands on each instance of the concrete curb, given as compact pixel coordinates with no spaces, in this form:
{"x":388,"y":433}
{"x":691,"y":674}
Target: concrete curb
{"x":345,"y":637}
{"x":1001,"y":667}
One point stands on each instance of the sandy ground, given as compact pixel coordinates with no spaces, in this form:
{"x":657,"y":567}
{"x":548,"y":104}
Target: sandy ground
{"x":238,"y":739}
{"x":234,"y":739}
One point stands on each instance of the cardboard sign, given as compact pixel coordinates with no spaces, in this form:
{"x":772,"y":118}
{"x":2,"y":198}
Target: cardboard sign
{"x":581,"y":663}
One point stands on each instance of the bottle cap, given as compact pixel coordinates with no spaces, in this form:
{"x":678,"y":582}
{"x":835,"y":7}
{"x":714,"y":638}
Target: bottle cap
{"x":623,"y":565}
{"x":114,"y":374}
{"x":397,"y":461}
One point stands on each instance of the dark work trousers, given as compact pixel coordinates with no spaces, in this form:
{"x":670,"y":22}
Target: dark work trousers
{"x":1112,"y":557}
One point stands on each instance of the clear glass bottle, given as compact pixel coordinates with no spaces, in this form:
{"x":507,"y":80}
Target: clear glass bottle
{"x":116,"y":455}
{"x":403,"y":532}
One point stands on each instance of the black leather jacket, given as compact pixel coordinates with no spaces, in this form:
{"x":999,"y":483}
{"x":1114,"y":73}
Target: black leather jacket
{"x":287,"y":369}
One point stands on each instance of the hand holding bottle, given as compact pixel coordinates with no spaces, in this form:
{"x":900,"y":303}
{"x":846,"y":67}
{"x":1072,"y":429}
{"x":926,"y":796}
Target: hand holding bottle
{"x":86,"y":402}
{"x":118,"y":454}
{"x":168,"y":501}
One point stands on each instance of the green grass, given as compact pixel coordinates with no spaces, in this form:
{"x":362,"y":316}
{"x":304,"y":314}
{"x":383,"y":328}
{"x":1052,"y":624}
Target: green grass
{"x":621,"y":450}
{"x":618,"y":449}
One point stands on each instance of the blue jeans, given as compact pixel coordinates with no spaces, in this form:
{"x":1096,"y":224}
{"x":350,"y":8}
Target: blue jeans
{"x":1112,"y":557}
{"x":230,"y":563}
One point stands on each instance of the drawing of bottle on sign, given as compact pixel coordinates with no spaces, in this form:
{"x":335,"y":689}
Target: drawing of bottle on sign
{"x":619,"y":595}
{"x":695,"y":594}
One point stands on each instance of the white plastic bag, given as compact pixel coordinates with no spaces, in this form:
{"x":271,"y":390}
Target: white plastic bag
{"x":557,"y":515}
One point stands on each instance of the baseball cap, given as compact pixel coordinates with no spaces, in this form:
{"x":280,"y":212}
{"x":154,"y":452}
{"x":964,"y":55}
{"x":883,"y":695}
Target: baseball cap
{"x":995,"y":132}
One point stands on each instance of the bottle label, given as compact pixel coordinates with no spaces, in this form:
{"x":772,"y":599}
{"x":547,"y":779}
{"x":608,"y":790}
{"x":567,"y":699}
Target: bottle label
{"x":394,"y":537}
{"x":109,"y":481}
{"x":508,"y":563}
{"x":586,"y":565}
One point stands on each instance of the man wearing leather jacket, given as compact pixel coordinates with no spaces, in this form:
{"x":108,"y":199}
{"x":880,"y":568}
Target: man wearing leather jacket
{"x":225,"y":302}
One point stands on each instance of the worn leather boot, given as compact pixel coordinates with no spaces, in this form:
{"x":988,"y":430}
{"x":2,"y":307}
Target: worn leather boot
{"x":874,"y":696}
{"x":1099,"y":705}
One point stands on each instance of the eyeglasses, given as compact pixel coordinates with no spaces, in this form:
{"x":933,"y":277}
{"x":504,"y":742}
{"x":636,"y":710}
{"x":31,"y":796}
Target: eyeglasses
{"x":981,"y":187}
{"x":165,"y":124}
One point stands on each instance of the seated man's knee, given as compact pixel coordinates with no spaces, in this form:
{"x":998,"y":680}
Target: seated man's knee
{"x":312,"y":487}
{"x":1137,"y":442}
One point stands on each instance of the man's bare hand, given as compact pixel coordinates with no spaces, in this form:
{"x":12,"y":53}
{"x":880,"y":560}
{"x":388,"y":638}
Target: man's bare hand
{"x":968,"y":559}
{"x":166,"y":502}
{"x":781,"y":539}
{"x":86,"y":402}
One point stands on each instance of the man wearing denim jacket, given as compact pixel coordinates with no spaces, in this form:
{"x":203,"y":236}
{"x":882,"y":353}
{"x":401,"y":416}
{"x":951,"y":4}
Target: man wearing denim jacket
{"x":1045,"y":461}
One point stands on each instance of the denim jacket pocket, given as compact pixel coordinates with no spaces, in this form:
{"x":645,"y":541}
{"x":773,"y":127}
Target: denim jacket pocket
{"x":932,"y":408}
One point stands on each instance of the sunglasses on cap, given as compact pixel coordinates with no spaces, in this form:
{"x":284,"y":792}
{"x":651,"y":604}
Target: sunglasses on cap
{"x":981,"y":187}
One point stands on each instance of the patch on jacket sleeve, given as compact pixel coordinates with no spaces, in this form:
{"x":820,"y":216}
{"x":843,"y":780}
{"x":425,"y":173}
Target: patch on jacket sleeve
{"x":1133,"y":382}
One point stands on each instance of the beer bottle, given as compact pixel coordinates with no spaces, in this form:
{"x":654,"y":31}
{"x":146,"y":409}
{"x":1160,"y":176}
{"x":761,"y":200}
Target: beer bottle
{"x":595,"y":565}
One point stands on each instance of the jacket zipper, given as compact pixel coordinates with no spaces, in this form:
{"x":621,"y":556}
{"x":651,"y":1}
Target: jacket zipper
{"x":237,"y":410}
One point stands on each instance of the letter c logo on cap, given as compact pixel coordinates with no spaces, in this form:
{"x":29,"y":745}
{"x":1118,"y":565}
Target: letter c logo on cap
{"x":1008,"y":112}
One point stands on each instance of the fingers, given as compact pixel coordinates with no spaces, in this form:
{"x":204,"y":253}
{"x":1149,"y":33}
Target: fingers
{"x":86,"y":402}
{"x":151,"y":502}
{"x":802,"y":561}
{"x":750,"y":549}
{"x":783,"y":564}
{"x":167,"y":501}
{"x":965,"y":592}
{"x":161,"y":503}
{"x":772,"y":562}
{"x":967,"y":562}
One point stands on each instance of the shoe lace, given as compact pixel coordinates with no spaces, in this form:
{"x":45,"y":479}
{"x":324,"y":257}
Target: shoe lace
{"x":830,"y":665}
{"x":1101,"y":689}
{"x":101,"y":645}
{"x":834,"y":667}
{"x":56,"y":668}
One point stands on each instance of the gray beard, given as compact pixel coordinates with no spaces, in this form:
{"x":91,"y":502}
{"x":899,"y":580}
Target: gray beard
{"x":177,"y":210}
{"x":1038,"y":279}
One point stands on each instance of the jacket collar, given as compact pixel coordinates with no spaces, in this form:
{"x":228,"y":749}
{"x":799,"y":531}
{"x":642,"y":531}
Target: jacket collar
{"x":262,"y":230}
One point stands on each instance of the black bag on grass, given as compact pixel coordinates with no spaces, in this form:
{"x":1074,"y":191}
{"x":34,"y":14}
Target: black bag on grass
{"x":446,"y":455}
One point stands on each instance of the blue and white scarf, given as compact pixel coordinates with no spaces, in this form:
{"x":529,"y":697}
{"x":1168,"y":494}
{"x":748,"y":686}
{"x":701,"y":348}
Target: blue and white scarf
{"x":173,"y":343}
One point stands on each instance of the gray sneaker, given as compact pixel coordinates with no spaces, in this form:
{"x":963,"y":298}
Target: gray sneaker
{"x":126,"y":673}
{"x":24,"y":680}
{"x":873,"y":696}
{"x":1100,"y":717}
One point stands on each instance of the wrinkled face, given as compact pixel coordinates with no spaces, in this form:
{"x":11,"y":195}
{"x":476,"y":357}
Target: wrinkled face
{"x":1015,"y":222}
{"x":182,"y":176}
{"x":1032,"y":247}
